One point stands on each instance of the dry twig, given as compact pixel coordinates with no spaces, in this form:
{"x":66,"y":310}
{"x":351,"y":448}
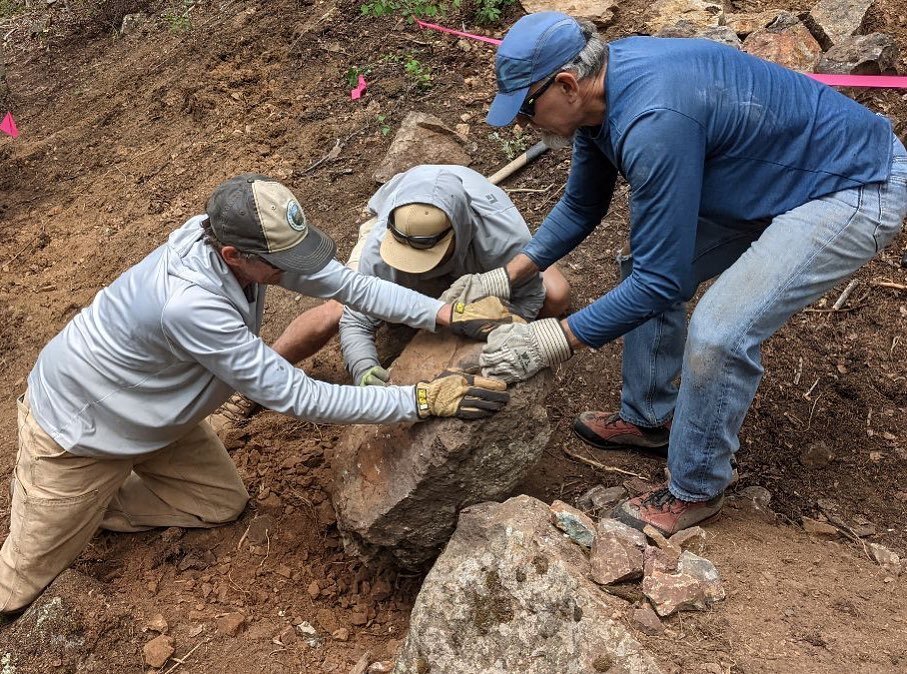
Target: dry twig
{"x":844,"y":295}
{"x":182,"y":660}
{"x":601,"y":466}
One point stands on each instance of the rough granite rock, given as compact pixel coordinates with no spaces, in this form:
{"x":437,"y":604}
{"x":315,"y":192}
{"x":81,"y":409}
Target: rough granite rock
{"x":695,"y":585}
{"x":421,"y":139}
{"x":875,"y":54}
{"x":786,"y":41}
{"x":578,"y":526}
{"x":700,"y":13}
{"x":721,"y":34}
{"x":887,"y":559}
{"x":617,"y":553}
{"x":599,"y":12}
{"x":510,"y":594}
{"x":600,"y":499}
{"x":833,"y":21}
{"x":398,"y":488}
{"x":745,"y":23}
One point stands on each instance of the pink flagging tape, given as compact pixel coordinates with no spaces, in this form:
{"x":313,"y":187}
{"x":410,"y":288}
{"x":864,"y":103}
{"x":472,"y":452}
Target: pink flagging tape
{"x":875,"y":81}
{"x":8,"y":126}
{"x":356,"y":93}
{"x":471,"y":36}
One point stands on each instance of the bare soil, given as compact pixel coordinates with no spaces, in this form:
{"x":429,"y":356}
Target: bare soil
{"x":122,"y":140}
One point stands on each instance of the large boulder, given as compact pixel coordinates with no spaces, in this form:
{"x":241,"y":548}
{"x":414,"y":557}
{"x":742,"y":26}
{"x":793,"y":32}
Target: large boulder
{"x":874,"y":54}
{"x":599,"y":12}
{"x":833,"y":21}
{"x":399,"y":488}
{"x":510,"y":593}
{"x":421,"y":139}
{"x":786,"y":41}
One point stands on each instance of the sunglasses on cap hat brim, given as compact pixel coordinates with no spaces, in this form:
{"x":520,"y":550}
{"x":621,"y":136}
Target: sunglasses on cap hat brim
{"x":417,"y":242}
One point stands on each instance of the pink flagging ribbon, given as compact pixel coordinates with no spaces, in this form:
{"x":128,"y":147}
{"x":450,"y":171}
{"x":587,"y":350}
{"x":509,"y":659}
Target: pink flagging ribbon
{"x":356,"y":93}
{"x":442,"y":29}
{"x":874,"y":81}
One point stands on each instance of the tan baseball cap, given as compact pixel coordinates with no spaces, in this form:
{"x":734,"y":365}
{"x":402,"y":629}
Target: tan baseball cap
{"x":257,"y":214}
{"x":418,"y":237}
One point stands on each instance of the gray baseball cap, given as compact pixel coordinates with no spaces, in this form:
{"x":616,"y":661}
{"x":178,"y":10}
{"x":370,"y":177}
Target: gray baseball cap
{"x":257,"y":214}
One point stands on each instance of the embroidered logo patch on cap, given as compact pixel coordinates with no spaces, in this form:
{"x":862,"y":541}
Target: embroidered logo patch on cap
{"x":295,"y":216}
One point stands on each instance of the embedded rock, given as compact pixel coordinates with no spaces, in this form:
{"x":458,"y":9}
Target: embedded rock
{"x":617,"y":553}
{"x":887,"y":559}
{"x":786,"y":41}
{"x":421,"y":139}
{"x":398,"y":488}
{"x":693,"y":539}
{"x":600,"y":499}
{"x":599,"y":12}
{"x":647,"y":621}
{"x":158,"y":651}
{"x":745,"y":23}
{"x":721,"y":34}
{"x":511,"y":594}
{"x":695,"y":585}
{"x":874,"y":54}
{"x":820,"y":529}
{"x":833,"y":21}
{"x":578,"y":526}
{"x":699,"y":13}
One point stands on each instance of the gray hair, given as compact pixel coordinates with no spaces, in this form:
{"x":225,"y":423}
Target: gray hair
{"x":212,"y":240}
{"x":591,"y":59}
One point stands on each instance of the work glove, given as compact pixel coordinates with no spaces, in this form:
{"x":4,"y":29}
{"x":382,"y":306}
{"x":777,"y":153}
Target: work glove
{"x":475,"y":320}
{"x":238,"y":409}
{"x":516,"y":352}
{"x":374,"y":376}
{"x":458,"y":394}
{"x":471,"y":287}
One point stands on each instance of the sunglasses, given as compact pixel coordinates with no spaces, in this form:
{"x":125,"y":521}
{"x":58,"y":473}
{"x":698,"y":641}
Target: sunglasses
{"x":527,"y":109}
{"x":417,"y":242}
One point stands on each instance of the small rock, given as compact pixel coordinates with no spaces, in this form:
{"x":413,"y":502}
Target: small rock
{"x":617,"y":553}
{"x":575,"y":523}
{"x":261,"y":529}
{"x":647,"y":621}
{"x":600,"y":498}
{"x":817,"y":528}
{"x":132,"y":23}
{"x":342,"y":634}
{"x":287,"y":636}
{"x":874,"y":54}
{"x":695,"y":585}
{"x":381,"y":590}
{"x":693,"y":539}
{"x":157,"y":623}
{"x":463,"y":130}
{"x":816,"y":454}
{"x":887,"y":559}
{"x":158,"y":651}
{"x":309,"y":634}
{"x":231,"y":623}
{"x":284,"y":570}
{"x":314,"y":589}
{"x":863,"y":529}
{"x":380,"y":667}
{"x":661,"y":542}
{"x":359,"y":618}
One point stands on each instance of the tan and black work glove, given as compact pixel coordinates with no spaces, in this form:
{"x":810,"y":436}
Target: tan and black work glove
{"x":476,"y":319}
{"x":461,"y":395}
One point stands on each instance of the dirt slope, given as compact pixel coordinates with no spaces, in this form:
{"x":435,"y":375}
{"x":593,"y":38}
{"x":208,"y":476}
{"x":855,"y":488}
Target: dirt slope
{"x":124,"y":137}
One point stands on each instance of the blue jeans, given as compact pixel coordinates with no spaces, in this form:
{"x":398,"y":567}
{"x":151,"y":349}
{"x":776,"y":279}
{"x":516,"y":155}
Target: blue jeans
{"x":767,"y":271}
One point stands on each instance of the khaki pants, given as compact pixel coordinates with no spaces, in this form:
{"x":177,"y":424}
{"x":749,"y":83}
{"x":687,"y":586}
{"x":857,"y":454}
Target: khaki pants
{"x":60,"y":500}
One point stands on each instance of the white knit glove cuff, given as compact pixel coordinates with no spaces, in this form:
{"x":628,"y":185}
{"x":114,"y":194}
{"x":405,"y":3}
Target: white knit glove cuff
{"x":552,"y":342}
{"x":496,"y":283}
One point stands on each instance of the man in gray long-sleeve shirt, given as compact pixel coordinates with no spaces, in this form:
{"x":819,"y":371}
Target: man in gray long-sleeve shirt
{"x":112,"y":430}
{"x":476,"y":227}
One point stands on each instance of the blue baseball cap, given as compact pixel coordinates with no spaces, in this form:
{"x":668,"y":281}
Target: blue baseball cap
{"x":535,"y":47}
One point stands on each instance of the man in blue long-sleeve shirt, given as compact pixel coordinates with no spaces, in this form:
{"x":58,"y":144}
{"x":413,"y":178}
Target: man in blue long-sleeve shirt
{"x":738,"y":168}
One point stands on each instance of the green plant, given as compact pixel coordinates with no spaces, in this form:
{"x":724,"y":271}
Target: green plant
{"x":419,"y":75}
{"x":410,"y":9}
{"x":177,"y":16}
{"x":511,"y":147}
{"x":352,"y":75}
{"x":383,"y":127}
{"x":489,"y":11}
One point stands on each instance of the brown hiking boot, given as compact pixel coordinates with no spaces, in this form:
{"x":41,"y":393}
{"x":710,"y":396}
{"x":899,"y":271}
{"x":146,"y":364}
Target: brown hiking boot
{"x":234,"y":413}
{"x":666,"y":512}
{"x":606,"y":430}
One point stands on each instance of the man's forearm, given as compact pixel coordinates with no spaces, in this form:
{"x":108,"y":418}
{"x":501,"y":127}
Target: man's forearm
{"x":520,"y":269}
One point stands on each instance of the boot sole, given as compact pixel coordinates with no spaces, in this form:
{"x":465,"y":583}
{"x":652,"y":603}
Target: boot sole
{"x":598,"y":443}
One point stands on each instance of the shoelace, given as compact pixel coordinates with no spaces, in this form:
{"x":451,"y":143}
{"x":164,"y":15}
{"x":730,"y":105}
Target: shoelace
{"x":660,"y":498}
